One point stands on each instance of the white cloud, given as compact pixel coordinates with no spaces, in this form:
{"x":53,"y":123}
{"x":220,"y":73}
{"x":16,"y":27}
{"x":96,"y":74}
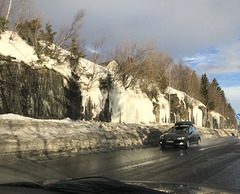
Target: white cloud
{"x":93,"y":51}
{"x":178,"y":27}
{"x":223,"y":59}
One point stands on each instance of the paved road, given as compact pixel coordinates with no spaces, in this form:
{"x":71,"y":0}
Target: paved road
{"x":213,"y":163}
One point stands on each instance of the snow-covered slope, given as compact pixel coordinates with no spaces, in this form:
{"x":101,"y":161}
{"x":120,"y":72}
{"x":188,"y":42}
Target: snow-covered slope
{"x":130,"y":106}
{"x":16,"y":47}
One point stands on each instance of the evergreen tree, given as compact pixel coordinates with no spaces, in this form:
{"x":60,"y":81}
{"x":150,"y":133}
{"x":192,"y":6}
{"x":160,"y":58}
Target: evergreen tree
{"x":214,"y":95}
{"x":74,"y":58}
{"x":48,"y":39}
{"x":29,"y":31}
{"x":204,"y":84}
{"x":3,"y":24}
{"x":204,"y":91}
{"x":106,"y":84}
{"x":74,"y":103}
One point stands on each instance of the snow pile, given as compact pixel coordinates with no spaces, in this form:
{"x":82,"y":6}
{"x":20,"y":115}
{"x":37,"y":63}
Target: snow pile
{"x":24,"y":137}
{"x":35,"y":138}
{"x":11,"y":116}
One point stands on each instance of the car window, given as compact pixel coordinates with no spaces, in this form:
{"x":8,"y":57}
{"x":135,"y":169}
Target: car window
{"x":185,"y":129}
{"x":178,"y":130}
{"x":172,"y":130}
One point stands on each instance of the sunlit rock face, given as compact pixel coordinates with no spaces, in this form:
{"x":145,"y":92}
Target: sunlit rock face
{"x":37,"y":92}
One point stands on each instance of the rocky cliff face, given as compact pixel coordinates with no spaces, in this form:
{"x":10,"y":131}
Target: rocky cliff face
{"x":38,"y":93}
{"x":46,"y":94}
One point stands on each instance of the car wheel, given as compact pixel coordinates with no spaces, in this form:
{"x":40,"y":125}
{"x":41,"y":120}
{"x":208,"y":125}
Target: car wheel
{"x":199,"y":141}
{"x":187,"y":144}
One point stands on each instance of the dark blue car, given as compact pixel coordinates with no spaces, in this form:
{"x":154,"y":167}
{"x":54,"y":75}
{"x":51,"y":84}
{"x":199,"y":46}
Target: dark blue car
{"x":182,"y":134}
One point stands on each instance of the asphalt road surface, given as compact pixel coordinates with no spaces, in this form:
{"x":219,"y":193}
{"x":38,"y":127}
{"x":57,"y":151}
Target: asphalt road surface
{"x":213,"y":163}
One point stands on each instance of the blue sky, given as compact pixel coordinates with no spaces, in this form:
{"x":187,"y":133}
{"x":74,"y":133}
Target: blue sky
{"x":222,"y":63}
{"x":206,"y":30}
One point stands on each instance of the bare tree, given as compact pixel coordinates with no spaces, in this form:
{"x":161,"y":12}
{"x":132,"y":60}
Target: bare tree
{"x":16,"y":12}
{"x":67,"y":33}
{"x":9,"y":8}
{"x":154,"y":73}
{"x":94,"y":57}
{"x":97,"y":50}
{"x":130,"y":58}
{"x":19,"y":18}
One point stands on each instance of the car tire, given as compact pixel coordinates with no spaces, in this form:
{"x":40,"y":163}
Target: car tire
{"x":199,"y":141}
{"x":187,"y":144}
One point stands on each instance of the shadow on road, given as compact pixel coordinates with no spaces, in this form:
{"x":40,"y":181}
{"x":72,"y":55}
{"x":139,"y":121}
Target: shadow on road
{"x":153,"y":137}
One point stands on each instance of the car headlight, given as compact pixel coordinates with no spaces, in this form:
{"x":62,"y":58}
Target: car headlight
{"x":181,"y":138}
{"x":162,"y":137}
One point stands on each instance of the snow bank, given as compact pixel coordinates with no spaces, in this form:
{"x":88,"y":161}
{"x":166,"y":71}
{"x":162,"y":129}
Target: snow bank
{"x":35,"y":138}
{"x":11,"y":116}
{"x":40,"y":139}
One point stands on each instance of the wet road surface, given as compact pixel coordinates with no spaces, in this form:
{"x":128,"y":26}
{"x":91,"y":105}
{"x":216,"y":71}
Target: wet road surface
{"x":213,"y":163}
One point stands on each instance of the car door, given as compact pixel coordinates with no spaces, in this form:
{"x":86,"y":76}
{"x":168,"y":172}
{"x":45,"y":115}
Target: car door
{"x":191,"y":134}
{"x":197,"y":134}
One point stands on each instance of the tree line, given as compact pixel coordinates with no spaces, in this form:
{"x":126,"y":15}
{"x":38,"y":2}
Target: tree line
{"x":138,"y":64}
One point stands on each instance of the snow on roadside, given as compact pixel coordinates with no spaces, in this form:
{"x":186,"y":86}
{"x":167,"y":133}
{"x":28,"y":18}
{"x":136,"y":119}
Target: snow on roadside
{"x":41,"y":139}
{"x":67,"y":126}
{"x":11,"y":116}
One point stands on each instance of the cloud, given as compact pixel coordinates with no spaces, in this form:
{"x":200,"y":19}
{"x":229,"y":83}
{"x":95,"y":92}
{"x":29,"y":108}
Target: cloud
{"x":93,"y":51}
{"x":178,"y":27}
{"x":223,"y":59}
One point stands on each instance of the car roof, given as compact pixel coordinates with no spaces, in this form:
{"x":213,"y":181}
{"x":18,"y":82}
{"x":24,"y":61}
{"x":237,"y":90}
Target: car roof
{"x":185,"y":123}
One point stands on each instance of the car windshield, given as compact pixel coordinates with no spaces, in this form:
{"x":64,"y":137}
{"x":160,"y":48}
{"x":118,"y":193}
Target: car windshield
{"x":138,"y":91}
{"x":178,"y":130}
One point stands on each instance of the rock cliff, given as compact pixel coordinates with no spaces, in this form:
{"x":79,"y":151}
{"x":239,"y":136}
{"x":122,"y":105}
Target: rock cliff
{"x":37,"y":92}
{"x":41,"y":92}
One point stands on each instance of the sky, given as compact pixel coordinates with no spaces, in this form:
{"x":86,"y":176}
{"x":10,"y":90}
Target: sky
{"x":207,"y":31}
